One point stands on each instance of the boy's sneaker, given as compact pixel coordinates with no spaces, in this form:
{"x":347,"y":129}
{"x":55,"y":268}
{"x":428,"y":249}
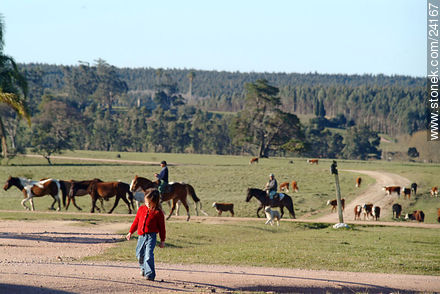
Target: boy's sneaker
{"x":142,"y":272}
{"x":150,"y":279}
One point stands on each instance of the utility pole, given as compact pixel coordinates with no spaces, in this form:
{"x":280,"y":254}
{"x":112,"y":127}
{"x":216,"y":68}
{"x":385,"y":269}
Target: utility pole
{"x":334,"y":171}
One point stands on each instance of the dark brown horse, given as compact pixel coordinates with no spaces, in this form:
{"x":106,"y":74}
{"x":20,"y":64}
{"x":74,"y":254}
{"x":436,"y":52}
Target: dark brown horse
{"x":81,"y":191}
{"x":103,"y":190}
{"x":32,"y":189}
{"x":178,"y":192}
{"x":261,"y":196}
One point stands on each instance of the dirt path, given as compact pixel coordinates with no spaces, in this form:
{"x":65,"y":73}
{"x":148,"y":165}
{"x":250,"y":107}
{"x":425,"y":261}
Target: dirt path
{"x":43,"y":257}
{"x":374,"y":194}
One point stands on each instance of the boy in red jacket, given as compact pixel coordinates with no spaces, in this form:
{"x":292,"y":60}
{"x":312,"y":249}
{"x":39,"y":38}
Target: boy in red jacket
{"x":149,"y":221}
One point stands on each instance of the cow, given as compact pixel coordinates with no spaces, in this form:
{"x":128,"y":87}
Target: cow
{"x":414,"y":188}
{"x":358,"y":182}
{"x":220,"y":207}
{"x":376,"y":212}
{"x":367,"y":210}
{"x":397,"y":210}
{"x":284,"y":186}
{"x":438,"y":215}
{"x":334,"y":204}
{"x":417,"y":215}
{"x":434,"y":191}
{"x":390,"y":189}
{"x":253,"y":160}
{"x":294,"y":186}
{"x":357,"y":212}
{"x":312,"y":161}
{"x":406,"y":193}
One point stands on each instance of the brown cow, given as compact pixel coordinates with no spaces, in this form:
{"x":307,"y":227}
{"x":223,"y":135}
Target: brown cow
{"x":253,"y":160}
{"x":357,"y":212}
{"x":390,"y":189}
{"x":417,"y":215}
{"x":438,"y":215}
{"x":358,"y":182}
{"x":406,"y":193}
{"x":367,"y":210}
{"x":220,"y":207}
{"x":295,"y":186}
{"x":334,"y":204}
{"x":312,"y":161}
{"x":284,"y":186}
{"x":434,"y":191}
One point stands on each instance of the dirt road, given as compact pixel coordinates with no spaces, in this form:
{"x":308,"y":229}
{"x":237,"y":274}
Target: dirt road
{"x":374,"y":194}
{"x":43,"y":257}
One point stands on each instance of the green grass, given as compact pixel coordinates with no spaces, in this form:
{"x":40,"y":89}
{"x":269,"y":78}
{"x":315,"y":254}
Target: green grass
{"x":296,"y":245}
{"x":224,"y":179}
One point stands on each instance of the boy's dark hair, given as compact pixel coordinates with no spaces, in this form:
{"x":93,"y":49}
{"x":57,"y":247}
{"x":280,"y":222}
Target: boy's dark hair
{"x":153,"y":194}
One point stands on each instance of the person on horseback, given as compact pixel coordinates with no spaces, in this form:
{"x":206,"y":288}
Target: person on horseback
{"x":162,"y":176}
{"x":271,"y":187}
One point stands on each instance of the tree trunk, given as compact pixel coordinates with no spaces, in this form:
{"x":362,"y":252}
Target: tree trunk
{"x":3,"y":139}
{"x":48,"y":159}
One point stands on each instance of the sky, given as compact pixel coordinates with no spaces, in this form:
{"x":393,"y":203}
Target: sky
{"x":335,"y":37}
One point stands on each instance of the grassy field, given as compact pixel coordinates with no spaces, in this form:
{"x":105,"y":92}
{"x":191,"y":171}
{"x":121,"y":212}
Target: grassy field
{"x":226,"y":178}
{"x":223,"y":179}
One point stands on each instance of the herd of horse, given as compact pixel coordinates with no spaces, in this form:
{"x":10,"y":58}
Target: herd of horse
{"x":98,"y":190}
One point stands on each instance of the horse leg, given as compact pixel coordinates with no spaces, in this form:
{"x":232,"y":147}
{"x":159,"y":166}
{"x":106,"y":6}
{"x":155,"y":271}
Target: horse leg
{"x":32,"y":203}
{"x":258,"y":210}
{"x":172,"y":208}
{"x":128,"y":203}
{"x":94,"y":204}
{"x":74,"y":203}
{"x":185,"y":204}
{"x":282,"y":211}
{"x":116,"y":204}
{"x":177,"y":208}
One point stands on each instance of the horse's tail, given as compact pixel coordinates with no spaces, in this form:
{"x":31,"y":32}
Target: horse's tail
{"x":63,"y":192}
{"x":196,"y":199}
{"x":290,"y":207}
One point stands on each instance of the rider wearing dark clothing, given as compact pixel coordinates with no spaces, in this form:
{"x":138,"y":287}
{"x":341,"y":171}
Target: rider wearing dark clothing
{"x":271,"y":186}
{"x":162,"y":177}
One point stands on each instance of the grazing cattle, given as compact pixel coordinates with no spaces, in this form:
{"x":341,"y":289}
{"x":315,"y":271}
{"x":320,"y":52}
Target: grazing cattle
{"x":272,"y":215}
{"x":253,"y":160}
{"x":414,"y":188}
{"x":406,"y":193}
{"x":438,"y":215}
{"x":358,"y":182}
{"x":294,"y":186}
{"x":284,"y":186}
{"x":417,"y":215}
{"x":397,"y":210}
{"x":357,"y":212}
{"x":390,"y":189}
{"x":367,"y":210}
{"x":376,"y":212}
{"x":334,"y":204}
{"x":434,"y":191}
{"x":312,"y":161}
{"x":220,"y":207}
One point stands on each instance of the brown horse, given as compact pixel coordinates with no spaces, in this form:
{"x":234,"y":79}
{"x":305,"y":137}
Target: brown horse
{"x":32,"y":189}
{"x":178,"y":192}
{"x":65,"y":189}
{"x":103,"y":191}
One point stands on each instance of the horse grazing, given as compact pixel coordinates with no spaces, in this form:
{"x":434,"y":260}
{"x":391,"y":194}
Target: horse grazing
{"x":280,"y":202}
{"x":32,"y":189}
{"x":104,"y":191}
{"x":177,"y":192}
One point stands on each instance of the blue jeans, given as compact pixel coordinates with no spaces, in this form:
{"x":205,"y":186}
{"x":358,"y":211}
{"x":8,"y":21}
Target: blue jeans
{"x":145,"y":255}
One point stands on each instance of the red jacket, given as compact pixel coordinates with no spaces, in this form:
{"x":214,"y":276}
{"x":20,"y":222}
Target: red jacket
{"x":149,"y":221}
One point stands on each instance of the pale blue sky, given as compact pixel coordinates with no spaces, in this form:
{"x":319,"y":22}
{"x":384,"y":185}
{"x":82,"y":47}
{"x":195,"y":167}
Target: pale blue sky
{"x":340,"y":36}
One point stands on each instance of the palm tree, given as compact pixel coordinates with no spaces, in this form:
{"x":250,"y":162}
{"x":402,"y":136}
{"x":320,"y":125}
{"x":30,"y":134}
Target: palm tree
{"x":13,"y":89}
